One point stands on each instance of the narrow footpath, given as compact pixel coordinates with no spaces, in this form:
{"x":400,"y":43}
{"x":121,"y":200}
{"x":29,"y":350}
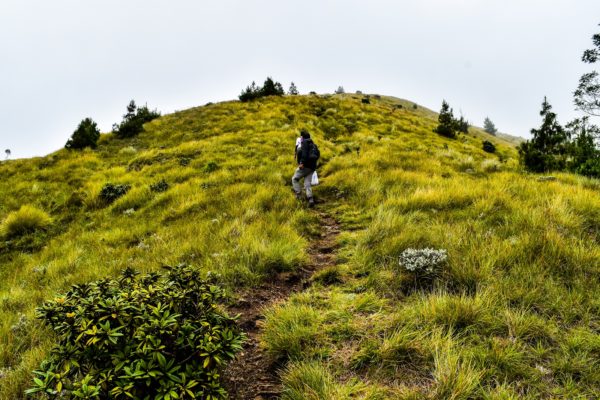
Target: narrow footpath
{"x":252,"y":376}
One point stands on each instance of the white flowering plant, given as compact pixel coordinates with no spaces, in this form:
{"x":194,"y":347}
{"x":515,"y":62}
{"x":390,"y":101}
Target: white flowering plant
{"x":425,"y":261}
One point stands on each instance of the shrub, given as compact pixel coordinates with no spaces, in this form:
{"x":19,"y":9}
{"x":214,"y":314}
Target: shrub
{"x":111,"y":192}
{"x":26,"y":220}
{"x":590,"y":168}
{"x":211,"y":167}
{"x":86,"y":135}
{"x":160,"y":186}
{"x":133,"y":122}
{"x":489,"y":146}
{"x":133,"y":337}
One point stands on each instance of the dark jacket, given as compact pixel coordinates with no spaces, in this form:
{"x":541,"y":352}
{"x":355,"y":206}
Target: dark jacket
{"x":302,"y":154}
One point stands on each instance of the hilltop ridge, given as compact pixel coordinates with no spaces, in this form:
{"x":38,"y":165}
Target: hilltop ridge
{"x":511,"y":315}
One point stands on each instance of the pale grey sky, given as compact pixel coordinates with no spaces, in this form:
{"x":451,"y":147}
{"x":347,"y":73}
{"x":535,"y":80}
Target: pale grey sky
{"x":64,"y":60}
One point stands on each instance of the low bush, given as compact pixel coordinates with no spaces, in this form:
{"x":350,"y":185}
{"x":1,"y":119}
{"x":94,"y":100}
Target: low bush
{"x":26,"y":220}
{"x":160,"y":186}
{"x":489,"y":146}
{"x":211,"y":167}
{"x":111,"y":192}
{"x":133,"y":337}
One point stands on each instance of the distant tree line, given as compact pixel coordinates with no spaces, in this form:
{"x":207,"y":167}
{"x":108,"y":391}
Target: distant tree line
{"x":573,"y":147}
{"x":557,"y":148}
{"x":269,"y":88}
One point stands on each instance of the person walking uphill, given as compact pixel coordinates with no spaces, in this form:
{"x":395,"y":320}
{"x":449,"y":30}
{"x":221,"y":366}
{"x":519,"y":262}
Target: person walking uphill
{"x":307,"y":155}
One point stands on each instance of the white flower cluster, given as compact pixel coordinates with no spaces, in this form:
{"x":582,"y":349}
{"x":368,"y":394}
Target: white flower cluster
{"x":423,"y":260}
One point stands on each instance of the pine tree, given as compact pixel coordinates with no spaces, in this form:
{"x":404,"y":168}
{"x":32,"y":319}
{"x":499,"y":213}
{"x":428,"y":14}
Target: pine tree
{"x":547,"y":148}
{"x":7,"y":151}
{"x":340,"y":90}
{"x":272,"y":88}
{"x":293,"y":91}
{"x":446,"y":126}
{"x":584,"y":152}
{"x":250,"y":93}
{"x":461,"y":124}
{"x":489,"y":126}
{"x":86,"y":135}
{"x":134,"y":120}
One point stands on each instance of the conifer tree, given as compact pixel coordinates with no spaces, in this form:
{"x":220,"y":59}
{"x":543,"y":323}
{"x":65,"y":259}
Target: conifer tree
{"x":293,"y":90}
{"x":86,"y":135}
{"x":272,"y":88}
{"x":584,"y":152}
{"x":250,"y":93}
{"x":461,"y":124}
{"x":547,"y":148}
{"x":489,"y":126}
{"x":7,"y":152}
{"x":446,"y":126}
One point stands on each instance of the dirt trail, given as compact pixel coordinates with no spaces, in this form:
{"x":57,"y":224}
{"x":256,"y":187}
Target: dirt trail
{"x":252,"y":376}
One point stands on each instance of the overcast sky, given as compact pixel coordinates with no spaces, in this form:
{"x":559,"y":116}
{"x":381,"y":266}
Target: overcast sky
{"x":62,"y":61}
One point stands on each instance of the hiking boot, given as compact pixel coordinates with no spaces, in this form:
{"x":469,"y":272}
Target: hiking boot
{"x":311,"y":202}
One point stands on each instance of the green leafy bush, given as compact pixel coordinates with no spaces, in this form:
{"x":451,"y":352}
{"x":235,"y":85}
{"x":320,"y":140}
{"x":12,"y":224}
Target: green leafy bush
{"x":158,"y":337}
{"x":111,"y":192}
{"x":27,"y":219}
{"x":86,"y":135}
{"x":489,"y":147}
{"x":133,"y":122}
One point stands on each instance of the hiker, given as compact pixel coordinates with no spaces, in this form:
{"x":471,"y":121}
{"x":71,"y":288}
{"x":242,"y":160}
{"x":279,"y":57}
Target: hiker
{"x":307,"y":154}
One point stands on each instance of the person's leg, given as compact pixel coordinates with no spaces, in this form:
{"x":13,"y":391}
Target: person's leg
{"x":296,"y":182}
{"x":308,"y":186}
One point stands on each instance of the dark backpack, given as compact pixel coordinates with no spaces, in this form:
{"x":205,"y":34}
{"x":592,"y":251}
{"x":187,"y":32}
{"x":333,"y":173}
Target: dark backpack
{"x":313,"y":152}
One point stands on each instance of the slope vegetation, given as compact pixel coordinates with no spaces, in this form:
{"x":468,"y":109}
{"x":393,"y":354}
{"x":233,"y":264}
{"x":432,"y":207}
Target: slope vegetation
{"x":514,"y":313}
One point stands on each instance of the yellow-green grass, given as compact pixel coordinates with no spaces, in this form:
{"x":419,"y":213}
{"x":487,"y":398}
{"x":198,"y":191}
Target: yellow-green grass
{"x":514,"y":315}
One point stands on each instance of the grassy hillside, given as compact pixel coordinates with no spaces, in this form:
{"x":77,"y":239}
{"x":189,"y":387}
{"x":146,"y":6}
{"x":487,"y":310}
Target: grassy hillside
{"x":514,"y":314}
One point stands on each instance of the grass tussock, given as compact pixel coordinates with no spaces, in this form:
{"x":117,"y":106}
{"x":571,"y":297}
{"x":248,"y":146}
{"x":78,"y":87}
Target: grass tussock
{"x":27,"y":219}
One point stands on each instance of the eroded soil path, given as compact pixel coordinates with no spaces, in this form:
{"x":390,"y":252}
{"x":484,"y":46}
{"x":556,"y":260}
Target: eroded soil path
{"x":252,"y":375}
